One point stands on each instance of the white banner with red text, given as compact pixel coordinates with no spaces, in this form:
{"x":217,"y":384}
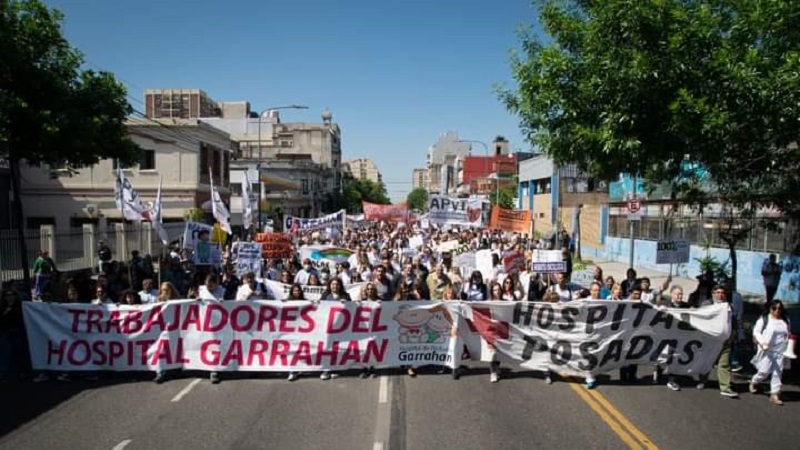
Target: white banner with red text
{"x":569,"y":338}
{"x":239,"y":335}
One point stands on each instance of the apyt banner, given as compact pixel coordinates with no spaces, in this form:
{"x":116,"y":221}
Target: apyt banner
{"x":444,"y":210}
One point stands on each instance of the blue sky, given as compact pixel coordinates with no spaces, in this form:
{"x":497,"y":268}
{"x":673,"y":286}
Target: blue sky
{"x":395,"y":74}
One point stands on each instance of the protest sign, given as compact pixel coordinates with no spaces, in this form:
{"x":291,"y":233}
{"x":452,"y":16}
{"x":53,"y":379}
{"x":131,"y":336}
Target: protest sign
{"x":483,"y":262}
{"x":510,"y":220}
{"x":514,"y":261}
{"x":416,"y":242}
{"x":325,"y":254}
{"x":280,"y":291}
{"x":249,"y":258}
{"x":303,"y":224}
{"x":275,"y":245}
{"x":595,"y":337}
{"x":195,"y":232}
{"x":207,"y":254}
{"x":447,"y":211}
{"x":239,"y":336}
{"x":672,"y":252}
{"x":397,"y":212}
{"x":548,"y":261}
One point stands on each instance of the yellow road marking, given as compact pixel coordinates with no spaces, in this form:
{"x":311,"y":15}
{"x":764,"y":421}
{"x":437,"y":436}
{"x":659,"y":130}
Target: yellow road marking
{"x":623,"y":420}
{"x":613,"y":418}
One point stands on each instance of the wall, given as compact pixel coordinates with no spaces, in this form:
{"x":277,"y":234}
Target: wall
{"x":748,"y":271}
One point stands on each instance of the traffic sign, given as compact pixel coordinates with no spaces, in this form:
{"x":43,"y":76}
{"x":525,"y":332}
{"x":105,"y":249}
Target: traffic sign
{"x":634,"y":209}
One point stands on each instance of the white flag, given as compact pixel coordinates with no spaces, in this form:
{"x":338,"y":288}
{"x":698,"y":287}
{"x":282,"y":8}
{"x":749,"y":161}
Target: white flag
{"x":127,"y":198}
{"x":247,"y":202}
{"x":155,"y":217}
{"x":218,"y":208}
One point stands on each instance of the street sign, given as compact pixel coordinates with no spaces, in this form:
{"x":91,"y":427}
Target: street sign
{"x":634,"y":209}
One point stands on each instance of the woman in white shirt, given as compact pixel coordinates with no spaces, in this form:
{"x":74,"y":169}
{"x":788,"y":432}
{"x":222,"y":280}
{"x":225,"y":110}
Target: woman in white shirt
{"x":771,"y":333}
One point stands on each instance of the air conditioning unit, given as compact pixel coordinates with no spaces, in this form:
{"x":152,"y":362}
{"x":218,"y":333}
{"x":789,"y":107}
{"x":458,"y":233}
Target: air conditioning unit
{"x":91,"y":210}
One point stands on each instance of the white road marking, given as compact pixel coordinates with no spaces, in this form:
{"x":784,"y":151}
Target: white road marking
{"x":186,"y":390}
{"x":383,"y":390}
{"x":122,"y":444}
{"x":377,"y":446}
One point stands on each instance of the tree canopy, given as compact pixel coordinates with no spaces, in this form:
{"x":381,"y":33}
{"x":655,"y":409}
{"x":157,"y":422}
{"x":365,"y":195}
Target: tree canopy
{"x":645,"y":87}
{"x":51,"y":110}
{"x":358,"y":190}
{"x":418,"y":200}
{"x":640,"y":86}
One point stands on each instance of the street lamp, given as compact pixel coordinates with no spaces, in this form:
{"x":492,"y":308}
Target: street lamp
{"x":258,"y":166}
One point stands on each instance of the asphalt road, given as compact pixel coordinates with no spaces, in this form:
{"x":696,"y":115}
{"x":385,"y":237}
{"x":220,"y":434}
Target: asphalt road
{"x":393,"y":411}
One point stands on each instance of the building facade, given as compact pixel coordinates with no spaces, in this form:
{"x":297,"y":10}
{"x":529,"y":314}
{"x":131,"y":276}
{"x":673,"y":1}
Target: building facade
{"x":441,"y":160}
{"x":179,"y":104}
{"x":419,"y":179}
{"x":362,"y":169}
{"x":179,"y":156}
{"x":270,"y":147}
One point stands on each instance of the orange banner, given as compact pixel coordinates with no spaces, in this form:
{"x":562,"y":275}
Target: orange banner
{"x":510,"y":220}
{"x":275,"y":245}
{"x":397,"y":212}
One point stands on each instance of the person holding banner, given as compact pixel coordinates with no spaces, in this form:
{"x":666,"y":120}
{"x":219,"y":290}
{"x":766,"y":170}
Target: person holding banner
{"x":723,"y":360}
{"x":295,"y":294}
{"x":251,"y":289}
{"x":676,"y":300}
{"x":476,"y":289}
{"x":335,"y":291}
{"x":167,"y":292}
{"x":509,"y":292}
{"x":211,"y":290}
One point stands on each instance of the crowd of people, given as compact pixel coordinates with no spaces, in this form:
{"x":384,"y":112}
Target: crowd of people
{"x":390,"y":269}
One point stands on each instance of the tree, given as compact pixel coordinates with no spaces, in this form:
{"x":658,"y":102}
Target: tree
{"x":418,"y":200}
{"x":51,"y":111}
{"x":358,"y":190}
{"x":504,"y":196}
{"x":645,"y":87}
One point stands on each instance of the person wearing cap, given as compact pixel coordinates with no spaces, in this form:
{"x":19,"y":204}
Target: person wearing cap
{"x":303,"y":274}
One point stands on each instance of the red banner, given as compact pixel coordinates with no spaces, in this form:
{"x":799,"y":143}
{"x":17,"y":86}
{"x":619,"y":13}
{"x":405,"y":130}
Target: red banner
{"x":397,"y":212}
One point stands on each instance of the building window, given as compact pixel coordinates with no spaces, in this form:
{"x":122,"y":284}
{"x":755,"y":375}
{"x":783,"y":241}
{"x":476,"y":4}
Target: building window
{"x":116,"y":162}
{"x":286,"y":144}
{"x":148,"y":161}
{"x":236,"y":189}
{"x":255,"y":189}
{"x":305,"y":186}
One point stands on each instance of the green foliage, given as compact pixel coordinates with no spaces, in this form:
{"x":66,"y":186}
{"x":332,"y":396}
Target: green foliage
{"x":418,"y":200}
{"x":708,"y":263}
{"x":640,"y":87}
{"x":193,"y":215}
{"x":357,"y":191}
{"x":505,"y":195}
{"x":52,"y":111}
